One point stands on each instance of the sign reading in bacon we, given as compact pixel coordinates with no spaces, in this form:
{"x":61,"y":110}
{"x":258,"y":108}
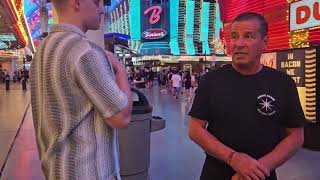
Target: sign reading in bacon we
{"x":154,"y":34}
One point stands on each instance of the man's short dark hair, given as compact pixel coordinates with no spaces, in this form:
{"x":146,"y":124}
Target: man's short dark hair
{"x":252,"y":15}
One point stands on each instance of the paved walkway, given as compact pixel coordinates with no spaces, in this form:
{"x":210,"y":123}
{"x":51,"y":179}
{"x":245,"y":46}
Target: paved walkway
{"x":173,"y":155}
{"x":13,"y":105}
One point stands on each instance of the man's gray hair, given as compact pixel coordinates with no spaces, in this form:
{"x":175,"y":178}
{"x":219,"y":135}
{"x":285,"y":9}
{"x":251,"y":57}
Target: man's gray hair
{"x":252,"y":15}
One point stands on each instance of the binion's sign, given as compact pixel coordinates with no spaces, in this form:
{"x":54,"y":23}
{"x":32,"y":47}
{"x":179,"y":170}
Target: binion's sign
{"x":154,"y":34}
{"x":304,"y":14}
{"x":155,"y":14}
{"x":153,"y":17}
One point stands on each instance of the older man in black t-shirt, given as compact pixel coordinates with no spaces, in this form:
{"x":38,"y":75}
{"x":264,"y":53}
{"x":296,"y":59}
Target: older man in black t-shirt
{"x":246,"y":117}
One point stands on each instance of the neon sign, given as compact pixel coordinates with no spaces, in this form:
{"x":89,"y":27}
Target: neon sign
{"x":155,"y":16}
{"x":304,"y":14}
{"x":154,"y":34}
{"x":17,"y":10}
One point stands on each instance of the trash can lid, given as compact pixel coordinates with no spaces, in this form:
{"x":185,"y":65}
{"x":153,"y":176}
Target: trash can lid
{"x":140,"y":103}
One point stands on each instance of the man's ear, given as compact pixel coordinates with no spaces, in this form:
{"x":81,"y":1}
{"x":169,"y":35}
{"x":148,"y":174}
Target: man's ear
{"x":266,"y":41}
{"x":75,"y":4}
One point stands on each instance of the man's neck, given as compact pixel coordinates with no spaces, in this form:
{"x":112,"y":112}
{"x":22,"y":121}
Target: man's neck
{"x":63,"y":20}
{"x":248,"y":70}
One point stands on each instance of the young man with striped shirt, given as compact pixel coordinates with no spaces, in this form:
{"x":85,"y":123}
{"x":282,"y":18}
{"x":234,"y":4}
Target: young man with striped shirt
{"x":80,"y":96}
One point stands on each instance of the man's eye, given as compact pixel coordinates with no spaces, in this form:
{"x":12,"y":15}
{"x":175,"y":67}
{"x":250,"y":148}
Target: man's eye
{"x":250,"y":36}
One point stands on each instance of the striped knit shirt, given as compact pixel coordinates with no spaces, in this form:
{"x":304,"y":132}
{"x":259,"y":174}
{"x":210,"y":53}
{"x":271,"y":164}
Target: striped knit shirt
{"x":73,"y":91}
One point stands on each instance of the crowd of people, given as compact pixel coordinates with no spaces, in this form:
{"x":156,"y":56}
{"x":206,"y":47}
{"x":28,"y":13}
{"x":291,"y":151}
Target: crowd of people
{"x":17,"y":76}
{"x":21,"y":75}
{"x":172,"y":80}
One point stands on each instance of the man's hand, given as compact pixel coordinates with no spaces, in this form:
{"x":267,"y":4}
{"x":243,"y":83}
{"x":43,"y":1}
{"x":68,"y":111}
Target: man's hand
{"x":237,"y":177}
{"x":118,"y":67}
{"x":248,"y":167}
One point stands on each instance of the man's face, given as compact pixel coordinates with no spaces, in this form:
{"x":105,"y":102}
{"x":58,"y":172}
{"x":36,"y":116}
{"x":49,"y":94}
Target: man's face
{"x":246,"y":43}
{"x":91,"y":13}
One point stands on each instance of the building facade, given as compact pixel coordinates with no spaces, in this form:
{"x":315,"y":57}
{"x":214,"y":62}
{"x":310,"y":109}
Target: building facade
{"x":167,"y":27}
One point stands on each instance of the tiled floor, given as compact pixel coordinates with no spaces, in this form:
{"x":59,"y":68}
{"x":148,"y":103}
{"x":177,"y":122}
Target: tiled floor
{"x":173,"y":155}
{"x":13,"y":105}
{"x":23,"y":162}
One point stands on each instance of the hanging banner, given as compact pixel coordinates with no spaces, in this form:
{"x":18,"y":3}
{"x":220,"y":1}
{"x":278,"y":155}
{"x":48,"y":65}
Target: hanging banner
{"x":292,"y":63}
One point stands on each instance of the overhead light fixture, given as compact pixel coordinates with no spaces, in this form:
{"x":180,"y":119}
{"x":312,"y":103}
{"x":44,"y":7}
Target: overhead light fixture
{"x":3,"y":45}
{"x":7,"y":37}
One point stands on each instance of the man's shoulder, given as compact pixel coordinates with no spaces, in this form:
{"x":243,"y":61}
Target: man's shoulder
{"x":218,"y":73}
{"x":70,"y":43}
{"x":276,"y":74}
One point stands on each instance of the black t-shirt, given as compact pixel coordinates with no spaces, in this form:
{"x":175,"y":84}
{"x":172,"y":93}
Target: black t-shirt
{"x":140,"y":84}
{"x":188,"y":81}
{"x":246,"y":113}
{"x":150,"y":75}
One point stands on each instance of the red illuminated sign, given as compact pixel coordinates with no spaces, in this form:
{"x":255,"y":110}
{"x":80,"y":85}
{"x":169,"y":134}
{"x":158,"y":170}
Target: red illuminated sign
{"x":155,"y":16}
{"x":303,"y":13}
{"x":154,"y":34}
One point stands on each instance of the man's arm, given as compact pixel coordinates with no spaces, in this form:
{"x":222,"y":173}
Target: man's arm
{"x":285,"y":149}
{"x":109,"y":96}
{"x":121,"y":119}
{"x":294,"y":123}
{"x":242,"y":163}
{"x":209,"y":143}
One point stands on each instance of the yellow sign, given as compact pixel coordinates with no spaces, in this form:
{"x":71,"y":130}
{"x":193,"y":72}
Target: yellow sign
{"x":18,"y":11}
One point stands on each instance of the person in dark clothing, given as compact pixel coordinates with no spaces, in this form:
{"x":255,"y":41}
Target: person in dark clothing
{"x":3,"y":76}
{"x":24,"y":82}
{"x":245,"y":116}
{"x":169,"y":82}
{"x":15,"y":77}
{"x":150,"y":78}
{"x":7,"y":78}
{"x":140,"y":81}
{"x":163,"y":80}
{"x":187,"y":83}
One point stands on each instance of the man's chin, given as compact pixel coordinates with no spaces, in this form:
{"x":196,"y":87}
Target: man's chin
{"x":240,"y":61}
{"x":95,"y":28}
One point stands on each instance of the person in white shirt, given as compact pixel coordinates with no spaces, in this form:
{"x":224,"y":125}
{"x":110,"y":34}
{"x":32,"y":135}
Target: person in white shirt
{"x":176,"y":83}
{"x":193,"y":82}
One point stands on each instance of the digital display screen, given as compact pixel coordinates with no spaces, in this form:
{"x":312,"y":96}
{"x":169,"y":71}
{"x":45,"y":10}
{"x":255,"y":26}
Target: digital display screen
{"x":32,"y":12}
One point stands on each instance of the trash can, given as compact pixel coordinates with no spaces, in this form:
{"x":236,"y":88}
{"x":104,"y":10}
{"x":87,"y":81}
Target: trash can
{"x":134,"y":141}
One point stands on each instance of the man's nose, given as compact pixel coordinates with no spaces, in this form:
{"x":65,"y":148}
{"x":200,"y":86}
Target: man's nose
{"x":240,"y":42}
